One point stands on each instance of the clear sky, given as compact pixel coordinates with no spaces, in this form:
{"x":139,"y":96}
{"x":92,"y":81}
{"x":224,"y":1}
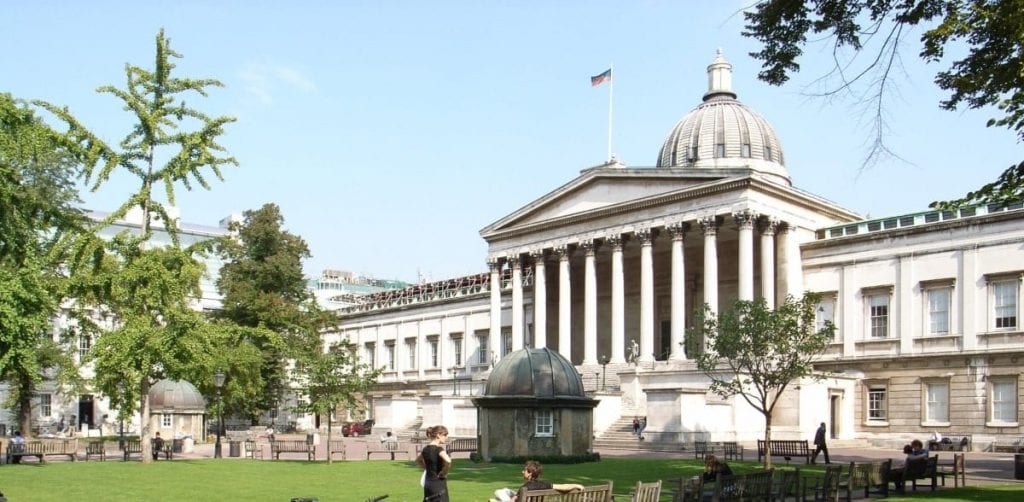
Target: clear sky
{"x":391,"y":132}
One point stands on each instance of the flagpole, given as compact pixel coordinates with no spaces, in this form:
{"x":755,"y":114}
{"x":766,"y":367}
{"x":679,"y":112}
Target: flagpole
{"x":611,"y":91}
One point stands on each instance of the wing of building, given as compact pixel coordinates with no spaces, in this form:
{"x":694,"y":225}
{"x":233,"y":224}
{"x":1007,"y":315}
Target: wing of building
{"x":608,"y":268}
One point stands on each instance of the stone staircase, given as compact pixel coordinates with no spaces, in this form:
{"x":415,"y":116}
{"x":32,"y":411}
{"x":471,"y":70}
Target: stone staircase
{"x":619,"y":436}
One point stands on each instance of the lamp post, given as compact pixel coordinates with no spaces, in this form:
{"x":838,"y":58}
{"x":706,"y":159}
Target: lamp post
{"x":604,"y":368}
{"x":218,"y":381}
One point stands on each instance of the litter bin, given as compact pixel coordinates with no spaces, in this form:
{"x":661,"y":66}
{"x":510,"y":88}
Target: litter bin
{"x":1018,"y":466}
{"x":235,"y":448}
{"x":176,"y":445}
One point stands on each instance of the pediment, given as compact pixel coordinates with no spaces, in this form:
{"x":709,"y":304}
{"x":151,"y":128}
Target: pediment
{"x":598,"y":189}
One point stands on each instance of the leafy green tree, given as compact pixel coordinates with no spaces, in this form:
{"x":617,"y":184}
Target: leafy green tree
{"x":147,"y":288}
{"x":37,"y":216}
{"x":755,"y":352}
{"x":264,"y":287}
{"x":981,"y":39}
{"x":333,"y":379}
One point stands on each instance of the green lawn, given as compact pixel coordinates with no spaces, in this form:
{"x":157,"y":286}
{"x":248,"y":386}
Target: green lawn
{"x":214,"y":480}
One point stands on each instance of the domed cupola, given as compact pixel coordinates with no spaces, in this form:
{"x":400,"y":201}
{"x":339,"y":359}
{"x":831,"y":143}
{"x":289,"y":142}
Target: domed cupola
{"x":723,"y":133}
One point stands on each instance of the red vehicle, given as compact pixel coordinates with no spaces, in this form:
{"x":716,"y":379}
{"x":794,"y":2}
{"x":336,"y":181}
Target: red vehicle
{"x":357,"y":429}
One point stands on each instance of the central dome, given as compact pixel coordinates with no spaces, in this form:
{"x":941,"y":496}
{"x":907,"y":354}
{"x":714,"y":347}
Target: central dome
{"x":534,"y":373}
{"x":723,"y":133}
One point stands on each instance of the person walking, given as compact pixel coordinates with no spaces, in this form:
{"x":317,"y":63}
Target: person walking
{"x":643,"y":425}
{"x":158,"y":446}
{"x":435,"y":463}
{"x":636,"y":426}
{"x":819,"y":444}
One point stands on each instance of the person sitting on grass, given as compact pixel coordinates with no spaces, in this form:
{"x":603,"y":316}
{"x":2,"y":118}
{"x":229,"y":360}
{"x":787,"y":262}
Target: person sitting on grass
{"x":714,"y":468}
{"x":531,"y":473}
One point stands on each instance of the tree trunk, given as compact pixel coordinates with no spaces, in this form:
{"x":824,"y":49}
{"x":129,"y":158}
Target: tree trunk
{"x":768,"y":441}
{"x":329,"y":459}
{"x":24,"y":406}
{"x":144,"y":431}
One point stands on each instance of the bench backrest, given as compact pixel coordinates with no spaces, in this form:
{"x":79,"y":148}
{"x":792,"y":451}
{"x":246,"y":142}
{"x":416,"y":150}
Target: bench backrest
{"x":753,"y":486}
{"x":461,"y":445}
{"x":299,"y":446}
{"x":596,"y":493}
{"x":647,"y":492}
{"x":785,"y":447}
{"x":869,"y":474}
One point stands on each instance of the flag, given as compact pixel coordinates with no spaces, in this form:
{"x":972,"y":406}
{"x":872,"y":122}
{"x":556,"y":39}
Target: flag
{"x":597,"y":80}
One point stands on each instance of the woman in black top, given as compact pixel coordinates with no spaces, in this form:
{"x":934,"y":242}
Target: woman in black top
{"x":713,"y":468}
{"x":435,"y":463}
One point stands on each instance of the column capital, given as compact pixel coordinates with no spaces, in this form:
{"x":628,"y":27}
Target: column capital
{"x":768,"y":225}
{"x":537,"y":255}
{"x":493,"y":263}
{"x":744,"y":219}
{"x":677,"y":231}
{"x":562,"y":252}
{"x":588,"y":246}
{"x":515,"y":261}
{"x":645,"y":235}
{"x":615,"y":241}
{"x":709,"y":226}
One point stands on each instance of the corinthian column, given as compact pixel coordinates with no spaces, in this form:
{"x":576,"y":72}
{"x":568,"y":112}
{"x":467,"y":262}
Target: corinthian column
{"x":564,"y":303}
{"x":768,"y":227}
{"x":589,"y":305}
{"x":709,"y":226}
{"x":677,"y":232}
{"x":495,"y":335}
{"x":793,"y":270}
{"x":517,"y":302}
{"x":618,"y":301}
{"x":540,"y":301}
{"x":745,"y":224}
{"x":646,"y":295}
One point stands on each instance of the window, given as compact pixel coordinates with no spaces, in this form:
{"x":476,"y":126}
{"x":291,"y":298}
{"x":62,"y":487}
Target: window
{"x":457,"y":349}
{"x":506,"y":342}
{"x":936,"y":406}
{"x":1004,"y":303}
{"x":877,"y":404}
{"x":1003,"y":392}
{"x":719,"y":150}
{"x":389,"y":349}
{"x":484,"y":356}
{"x":939,"y":300}
{"x":826,"y":312}
{"x":84,"y":344}
{"x":693,"y":154}
{"x":410,"y":348}
{"x":545,"y":423}
{"x":432,"y":341}
{"x":371,"y":354}
{"x":45,"y":408}
{"x":877,"y":300}
{"x":745,"y":150}
{"x":165,"y":420}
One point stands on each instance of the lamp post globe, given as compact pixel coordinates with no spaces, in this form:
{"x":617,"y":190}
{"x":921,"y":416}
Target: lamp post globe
{"x":218,"y":381}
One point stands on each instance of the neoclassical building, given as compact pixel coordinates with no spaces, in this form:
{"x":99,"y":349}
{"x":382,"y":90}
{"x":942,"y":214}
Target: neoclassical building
{"x":609,"y":268}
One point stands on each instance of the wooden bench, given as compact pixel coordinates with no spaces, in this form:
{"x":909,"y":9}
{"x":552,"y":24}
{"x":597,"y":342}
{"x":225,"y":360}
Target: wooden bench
{"x":729,"y":450}
{"x":252,"y":449}
{"x":917,"y":469}
{"x":872,"y":477}
{"x":167,"y":449}
{"x":1014,"y":446}
{"x":952,"y":442}
{"x":389,"y":448}
{"x":277,"y":447}
{"x":461,"y":445}
{"x":98,"y":448}
{"x":336,"y":446}
{"x":132,"y":447}
{"x":596,"y":493}
{"x":42,"y":449}
{"x":955,"y":469}
{"x":753,"y":486}
{"x":786,"y":448}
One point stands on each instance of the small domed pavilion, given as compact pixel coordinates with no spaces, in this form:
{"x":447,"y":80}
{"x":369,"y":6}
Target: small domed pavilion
{"x":178,"y":409}
{"x":534,"y":404}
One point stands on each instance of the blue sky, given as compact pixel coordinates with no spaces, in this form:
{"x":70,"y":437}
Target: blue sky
{"x":391,"y":132}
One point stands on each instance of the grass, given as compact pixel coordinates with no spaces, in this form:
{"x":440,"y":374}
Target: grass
{"x":214,"y":480}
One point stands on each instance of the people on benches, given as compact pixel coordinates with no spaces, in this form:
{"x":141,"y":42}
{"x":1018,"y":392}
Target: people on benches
{"x":17,"y":446}
{"x":531,"y":474}
{"x":715,"y":468}
{"x":158,"y":446}
{"x":915,"y":452}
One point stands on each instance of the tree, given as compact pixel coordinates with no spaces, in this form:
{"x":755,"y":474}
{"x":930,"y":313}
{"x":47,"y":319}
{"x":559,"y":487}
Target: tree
{"x":756,"y":352}
{"x":264,"y":287}
{"x":333,"y":378}
{"x":144,"y":287}
{"x":988,"y":75}
{"x":37,"y":217}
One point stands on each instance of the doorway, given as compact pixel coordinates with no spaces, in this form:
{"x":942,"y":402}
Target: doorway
{"x":834,"y":404}
{"x":85,"y":411}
